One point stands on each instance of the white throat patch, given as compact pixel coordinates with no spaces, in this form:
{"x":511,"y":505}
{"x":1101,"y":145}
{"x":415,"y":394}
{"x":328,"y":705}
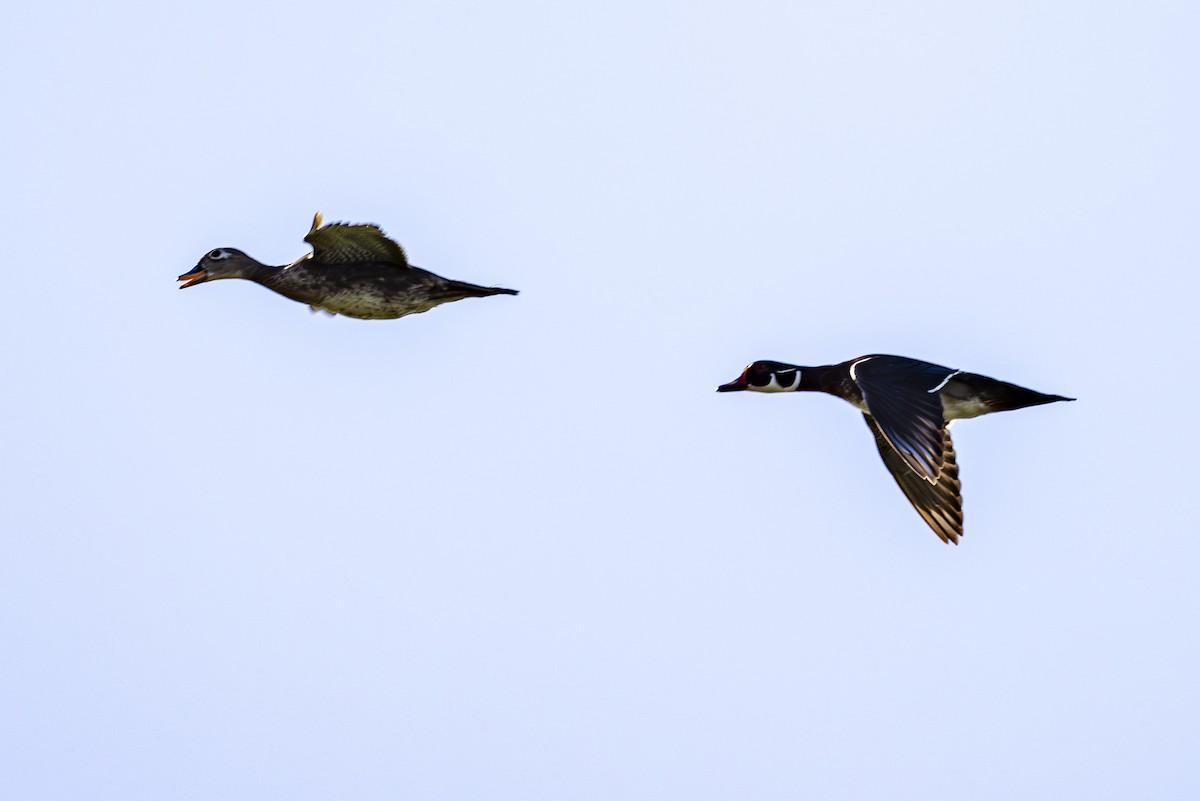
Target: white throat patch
{"x":775,"y":386}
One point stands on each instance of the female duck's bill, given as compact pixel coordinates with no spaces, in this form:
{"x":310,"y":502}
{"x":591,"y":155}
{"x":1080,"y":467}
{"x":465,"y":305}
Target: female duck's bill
{"x":197,"y":275}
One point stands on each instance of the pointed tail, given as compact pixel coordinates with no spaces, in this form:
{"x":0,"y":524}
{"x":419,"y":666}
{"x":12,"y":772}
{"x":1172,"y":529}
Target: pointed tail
{"x":461,"y":289}
{"x":1002,"y":396}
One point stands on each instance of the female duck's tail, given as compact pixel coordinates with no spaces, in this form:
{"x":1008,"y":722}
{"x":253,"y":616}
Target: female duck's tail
{"x":461,"y":289}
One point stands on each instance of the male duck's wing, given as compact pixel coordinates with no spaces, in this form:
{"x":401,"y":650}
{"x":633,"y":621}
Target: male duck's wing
{"x":903,"y":395}
{"x":939,"y":501}
{"x":342,"y":243}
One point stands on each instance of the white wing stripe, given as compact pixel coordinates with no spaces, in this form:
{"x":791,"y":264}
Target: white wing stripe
{"x":854,"y":377}
{"x":938,"y":388}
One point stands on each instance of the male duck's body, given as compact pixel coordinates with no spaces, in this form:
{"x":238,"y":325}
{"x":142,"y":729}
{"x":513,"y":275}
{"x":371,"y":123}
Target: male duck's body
{"x":908,"y":405}
{"x":355,"y":270}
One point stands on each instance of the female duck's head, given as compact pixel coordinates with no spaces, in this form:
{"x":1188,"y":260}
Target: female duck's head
{"x":217,"y":264}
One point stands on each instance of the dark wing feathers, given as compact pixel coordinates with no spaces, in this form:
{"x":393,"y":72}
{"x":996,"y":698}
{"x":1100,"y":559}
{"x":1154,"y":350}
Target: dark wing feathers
{"x":937,"y":500}
{"x":342,"y":243}
{"x":899,"y":394}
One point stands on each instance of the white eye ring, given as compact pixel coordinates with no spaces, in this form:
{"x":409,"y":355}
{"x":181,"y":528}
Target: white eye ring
{"x":219,"y":253}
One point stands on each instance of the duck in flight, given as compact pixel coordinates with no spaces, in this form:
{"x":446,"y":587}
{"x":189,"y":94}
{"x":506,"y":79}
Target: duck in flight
{"x":908,"y":405}
{"x":355,"y":270}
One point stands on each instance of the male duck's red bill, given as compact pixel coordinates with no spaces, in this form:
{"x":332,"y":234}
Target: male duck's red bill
{"x":738,"y":383}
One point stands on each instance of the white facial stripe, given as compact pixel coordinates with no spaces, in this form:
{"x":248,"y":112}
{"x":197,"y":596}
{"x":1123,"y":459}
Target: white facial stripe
{"x":945,"y":381}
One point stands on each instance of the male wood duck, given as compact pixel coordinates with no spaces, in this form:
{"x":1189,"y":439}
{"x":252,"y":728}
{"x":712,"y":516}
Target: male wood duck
{"x":908,"y":405}
{"x":355,"y":270}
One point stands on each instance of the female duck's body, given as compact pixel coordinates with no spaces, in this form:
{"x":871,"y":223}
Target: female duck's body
{"x":355,"y":270}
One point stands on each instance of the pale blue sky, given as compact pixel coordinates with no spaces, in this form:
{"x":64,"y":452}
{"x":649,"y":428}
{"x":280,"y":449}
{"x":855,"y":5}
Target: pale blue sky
{"x":518,"y":548}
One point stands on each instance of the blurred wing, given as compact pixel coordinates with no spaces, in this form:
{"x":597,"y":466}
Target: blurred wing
{"x":342,"y":243}
{"x":901,"y":394}
{"x":939,"y":501}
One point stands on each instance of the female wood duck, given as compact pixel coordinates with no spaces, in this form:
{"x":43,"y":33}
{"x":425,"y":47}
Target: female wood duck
{"x":355,"y":270}
{"x":908,"y":405}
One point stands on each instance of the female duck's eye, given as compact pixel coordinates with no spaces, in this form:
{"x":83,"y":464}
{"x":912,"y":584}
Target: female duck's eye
{"x":217,"y":254}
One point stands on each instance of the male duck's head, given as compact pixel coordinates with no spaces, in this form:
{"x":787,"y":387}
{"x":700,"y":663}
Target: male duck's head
{"x":765,"y":377}
{"x":216,"y":264}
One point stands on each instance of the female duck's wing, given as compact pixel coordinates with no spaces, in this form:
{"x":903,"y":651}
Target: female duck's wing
{"x":342,"y":243}
{"x":938,"y":501}
{"x":903,"y":397}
